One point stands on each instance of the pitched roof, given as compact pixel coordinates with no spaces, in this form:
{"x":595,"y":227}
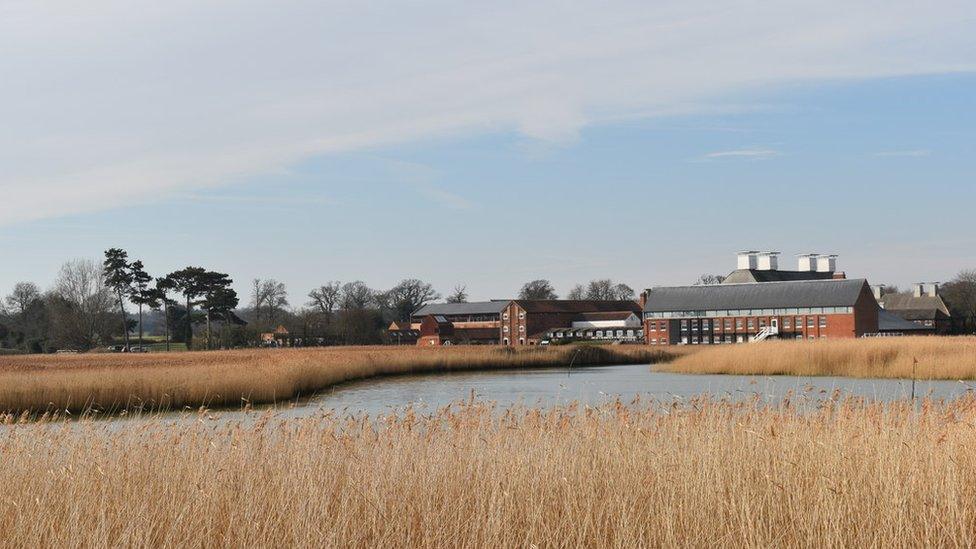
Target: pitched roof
{"x":889,"y":322}
{"x":576,"y":306}
{"x":924,"y":307}
{"x":742,"y":276}
{"x":476,"y":308}
{"x":767,"y":295}
{"x":611,"y":315}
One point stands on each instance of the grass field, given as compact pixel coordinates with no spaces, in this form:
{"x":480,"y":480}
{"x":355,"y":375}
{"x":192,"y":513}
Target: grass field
{"x":40,"y":383}
{"x":938,"y":358}
{"x":703,"y":475}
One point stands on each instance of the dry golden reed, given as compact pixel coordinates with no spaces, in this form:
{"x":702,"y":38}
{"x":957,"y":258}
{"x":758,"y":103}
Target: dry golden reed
{"x":40,"y":383}
{"x":849,"y":474}
{"x":938,"y":358}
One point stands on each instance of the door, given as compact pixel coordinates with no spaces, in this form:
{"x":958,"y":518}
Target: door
{"x":774,"y":324}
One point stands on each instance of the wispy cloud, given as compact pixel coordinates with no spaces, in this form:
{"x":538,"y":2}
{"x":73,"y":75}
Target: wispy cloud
{"x":178,"y":97}
{"x":750,"y":154}
{"x":908,"y":153}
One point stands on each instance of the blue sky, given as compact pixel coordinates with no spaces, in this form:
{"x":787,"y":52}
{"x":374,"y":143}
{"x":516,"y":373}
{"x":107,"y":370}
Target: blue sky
{"x":491,"y":166}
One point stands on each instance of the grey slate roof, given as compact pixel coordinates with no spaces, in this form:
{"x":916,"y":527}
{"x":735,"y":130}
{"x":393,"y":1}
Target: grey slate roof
{"x":889,"y":322}
{"x":916,"y":308}
{"x":476,"y":308}
{"x":765,"y":295}
{"x":742,"y":276}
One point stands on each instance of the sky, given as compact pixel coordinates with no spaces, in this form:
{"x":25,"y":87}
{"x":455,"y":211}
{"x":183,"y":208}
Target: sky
{"x":487,"y":145}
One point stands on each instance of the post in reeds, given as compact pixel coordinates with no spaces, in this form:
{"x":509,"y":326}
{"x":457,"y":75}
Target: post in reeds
{"x":914,"y":367}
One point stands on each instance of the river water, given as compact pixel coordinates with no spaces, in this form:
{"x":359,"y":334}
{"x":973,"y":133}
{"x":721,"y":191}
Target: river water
{"x":593,"y":386}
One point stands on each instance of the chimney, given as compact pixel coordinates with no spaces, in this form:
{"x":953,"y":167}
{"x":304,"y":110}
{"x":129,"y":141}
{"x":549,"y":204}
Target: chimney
{"x":918,"y":289}
{"x":767,"y":261}
{"x":826,"y":263}
{"x":878,"y":292}
{"x":807,"y":263}
{"x":643,"y":298}
{"x":746,"y":260}
{"x":932,"y":289}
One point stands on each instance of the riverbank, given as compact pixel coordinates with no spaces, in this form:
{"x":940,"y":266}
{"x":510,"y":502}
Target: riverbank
{"x":848,"y":475}
{"x":173,"y":381}
{"x":951,"y":358}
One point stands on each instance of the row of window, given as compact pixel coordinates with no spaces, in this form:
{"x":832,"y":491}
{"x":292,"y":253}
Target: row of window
{"x":630,"y":333}
{"x":749,"y":323}
{"x":521,"y":315}
{"x":752,"y":312}
{"x":717,"y":340}
{"x":521,"y":328}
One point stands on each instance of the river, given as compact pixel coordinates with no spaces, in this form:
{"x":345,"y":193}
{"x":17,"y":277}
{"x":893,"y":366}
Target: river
{"x":595,"y":385}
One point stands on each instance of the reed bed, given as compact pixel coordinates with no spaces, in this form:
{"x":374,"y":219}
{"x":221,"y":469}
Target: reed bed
{"x":849,"y":474}
{"x":117,"y":382}
{"x":938,"y":358}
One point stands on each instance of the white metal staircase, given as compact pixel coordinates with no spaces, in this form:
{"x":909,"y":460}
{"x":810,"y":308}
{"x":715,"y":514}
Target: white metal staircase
{"x":765,"y":333}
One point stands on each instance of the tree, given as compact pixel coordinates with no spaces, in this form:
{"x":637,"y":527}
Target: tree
{"x":142,"y":293}
{"x":709,"y":280}
{"x":23,"y":296}
{"x":25,"y":305}
{"x":325,"y":298}
{"x":81,"y":305}
{"x":189,"y":283}
{"x":357,"y":296}
{"x":118,"y":277}
{"x":459,"y":295}
{"x":160,"y":296}
{"x":408,"y":296}
{"x":959,"y":295}
{"x":605,"y":289}
{"x":269,"y":295}
{"x":538,"y":289}
{"x":577,"y":293}
{"x":219,"y":299}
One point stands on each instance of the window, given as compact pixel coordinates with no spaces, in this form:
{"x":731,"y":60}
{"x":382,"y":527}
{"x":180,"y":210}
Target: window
{"x":521,"y":341}
{"x":522,"y":315}
{"x":664,"y":326}
{"x":506,"y":341}
{"x":786,"y":323}
{"x":521,"y":328}
{"x":505,"y":316}
{"x":599,"y":333}
{"x":811,"y":338}
{"x":653,"y":326}
{"x":738,"y":324}
{"x":810,"y":322}
{"x":752,"y":324}
{"x":505,"y":329}
{"x":799,"y":322}
{"x":823,"y":322}
{"x":762,"y":322}
{"x":684,"y":340}
{"x":799,"y":336}
{"x":620,"y":333}
{"x":684,"y":325}
{"x":705,"y":324}
{"x":728,"y":339}
{"x":654,"y":341}
{"x":928,"y":323}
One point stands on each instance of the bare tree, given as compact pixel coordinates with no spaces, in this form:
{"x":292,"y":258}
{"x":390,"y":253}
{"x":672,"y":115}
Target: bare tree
{"x":459,"y":295}
{"x":326,"y":297}
{"x":606,"y":290}
{"x":23,"y":296}
{"x":268,"y":297}
{"x":83,"y":304}
{"x":357,"y":296}
{"x":959,"y":295}
{"x":709,"y":280}
{"x":408,"y":296}
{"x":538,"y":289}
{"x":577,"y":293}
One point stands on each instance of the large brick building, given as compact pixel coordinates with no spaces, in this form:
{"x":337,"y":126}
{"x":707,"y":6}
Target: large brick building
{"x":520,"y":321}
{"x":737,"y":313}
{"x":529,"y":322}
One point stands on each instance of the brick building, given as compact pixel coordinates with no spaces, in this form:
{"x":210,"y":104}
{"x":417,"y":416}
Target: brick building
{"x":923,"y":307}
{"x":529,"y":322}
{"x":459,"y":323}
{"x":737,"y":313}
